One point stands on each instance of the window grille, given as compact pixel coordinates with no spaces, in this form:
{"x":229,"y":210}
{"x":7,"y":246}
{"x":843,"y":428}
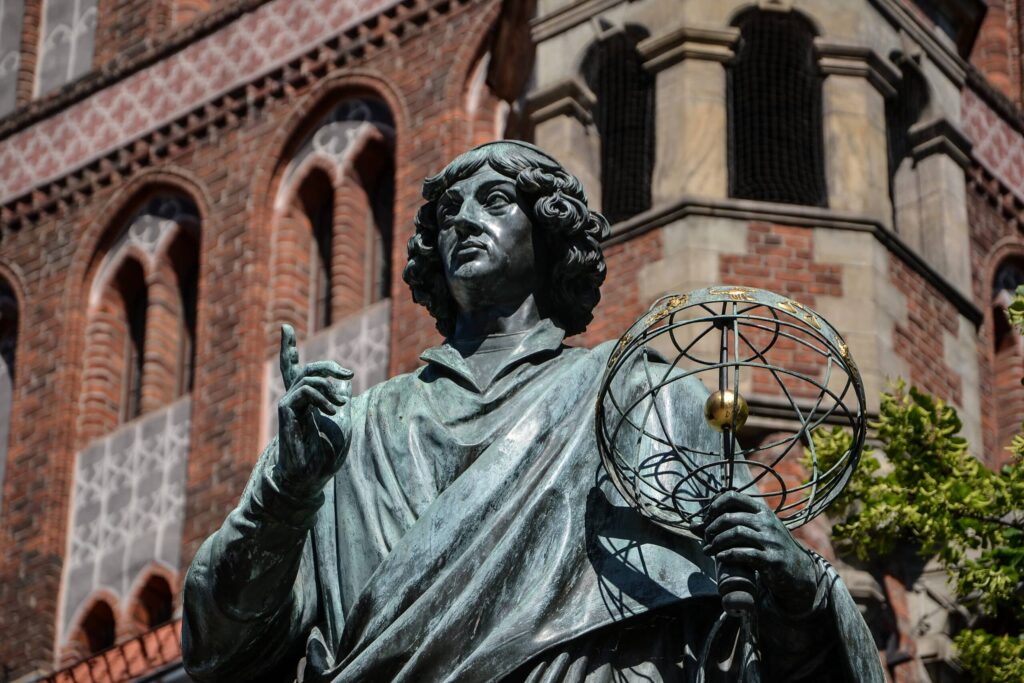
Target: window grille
{"x":624,"y":117}
{"x":776,"y":145}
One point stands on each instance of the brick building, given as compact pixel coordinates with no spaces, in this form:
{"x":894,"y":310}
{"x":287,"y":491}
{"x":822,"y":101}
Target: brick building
{"x":179,"y":177}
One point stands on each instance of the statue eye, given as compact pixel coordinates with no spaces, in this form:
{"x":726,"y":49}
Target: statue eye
{"x":497,"y":198}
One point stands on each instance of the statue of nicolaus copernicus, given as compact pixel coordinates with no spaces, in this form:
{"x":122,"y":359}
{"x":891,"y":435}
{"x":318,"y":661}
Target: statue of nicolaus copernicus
{"x":455,"y":523}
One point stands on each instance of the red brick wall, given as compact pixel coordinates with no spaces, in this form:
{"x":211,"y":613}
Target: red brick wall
{"x":996,"y":51}
{"x":123,"y":27}
{"x":231,"y":171}
{"x":780,"y":258}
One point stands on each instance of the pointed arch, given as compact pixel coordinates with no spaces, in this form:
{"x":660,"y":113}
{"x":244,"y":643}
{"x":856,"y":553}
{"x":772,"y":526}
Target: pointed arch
{"x":141,"y":310}
{"x":333,"y":213}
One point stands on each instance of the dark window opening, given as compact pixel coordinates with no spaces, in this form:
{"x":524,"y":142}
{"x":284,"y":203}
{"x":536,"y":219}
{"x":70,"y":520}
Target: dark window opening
{"x":8,"y":328}
{"x":776,"y":143}
{"x":133,"y":292}
{"x":1008,"y":277}
{"x":317,"y":197}
{"x":382,"y":200}
{"x":98,"y":628}
{"x":184,"y":257}
{"x":156,"y":602}
{"x":624,"y":117}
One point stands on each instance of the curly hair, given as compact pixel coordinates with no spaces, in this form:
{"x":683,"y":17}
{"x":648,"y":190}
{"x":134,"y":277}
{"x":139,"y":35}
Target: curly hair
{"x":567,"y":235}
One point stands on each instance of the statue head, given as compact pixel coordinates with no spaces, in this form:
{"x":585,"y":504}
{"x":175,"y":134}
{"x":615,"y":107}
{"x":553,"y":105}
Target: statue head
{"x":563,"y":241}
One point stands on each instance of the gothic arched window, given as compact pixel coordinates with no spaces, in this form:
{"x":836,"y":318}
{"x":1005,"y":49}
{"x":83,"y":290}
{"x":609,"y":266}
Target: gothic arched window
{"x":624,"y":117}
{"x":776,"y":146}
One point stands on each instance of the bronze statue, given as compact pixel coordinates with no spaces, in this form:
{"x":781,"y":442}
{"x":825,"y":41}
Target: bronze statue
{"x":456,"y":524}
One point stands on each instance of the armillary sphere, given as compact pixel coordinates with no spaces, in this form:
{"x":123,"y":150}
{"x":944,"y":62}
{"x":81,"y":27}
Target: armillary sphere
{"x":760,"y":356}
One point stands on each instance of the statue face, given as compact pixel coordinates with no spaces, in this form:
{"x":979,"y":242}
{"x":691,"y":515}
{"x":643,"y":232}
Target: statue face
{"x":485,"y":240}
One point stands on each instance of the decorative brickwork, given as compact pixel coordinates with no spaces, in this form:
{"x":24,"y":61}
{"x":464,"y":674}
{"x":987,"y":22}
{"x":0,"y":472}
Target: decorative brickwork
{"x":998,"y":146}
{"x":238,"y":53}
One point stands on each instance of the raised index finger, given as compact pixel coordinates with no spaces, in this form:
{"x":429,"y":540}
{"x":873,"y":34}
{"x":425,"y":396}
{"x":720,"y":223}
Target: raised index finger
{"x":289,"y":356}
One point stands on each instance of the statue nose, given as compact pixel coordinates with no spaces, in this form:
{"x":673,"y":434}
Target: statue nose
{"x":467,"y":222}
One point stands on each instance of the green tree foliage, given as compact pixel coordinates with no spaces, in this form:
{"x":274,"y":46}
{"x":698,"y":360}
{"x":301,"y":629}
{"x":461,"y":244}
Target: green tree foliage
{"x":929,"y":491}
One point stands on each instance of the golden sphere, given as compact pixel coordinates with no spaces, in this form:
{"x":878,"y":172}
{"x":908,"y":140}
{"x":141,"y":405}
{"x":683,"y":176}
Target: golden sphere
{"x":720,"y":407}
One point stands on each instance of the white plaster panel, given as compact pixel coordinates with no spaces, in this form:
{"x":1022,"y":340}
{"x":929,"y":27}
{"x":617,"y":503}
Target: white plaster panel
{"x":12,"y":12}
{"x":127,"y":507}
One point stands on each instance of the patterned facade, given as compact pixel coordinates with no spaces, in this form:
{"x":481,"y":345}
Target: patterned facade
{"x":179,"y":177}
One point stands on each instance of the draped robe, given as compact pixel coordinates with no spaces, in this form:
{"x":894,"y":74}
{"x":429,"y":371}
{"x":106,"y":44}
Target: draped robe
{"x":471,"y":534}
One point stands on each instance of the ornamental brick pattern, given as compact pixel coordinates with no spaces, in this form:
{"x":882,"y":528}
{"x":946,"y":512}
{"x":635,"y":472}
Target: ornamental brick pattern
{"x":244,"y":49}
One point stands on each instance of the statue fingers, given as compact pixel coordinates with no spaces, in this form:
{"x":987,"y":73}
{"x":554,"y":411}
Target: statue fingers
{"x":735,"y":537}
{"x":733,"y":501}
{"x":728,"y":520}
{"x":305,"y":396}
{"x":289,"y":360}
{"x":744,"y":557}
{"x":334,"y":390}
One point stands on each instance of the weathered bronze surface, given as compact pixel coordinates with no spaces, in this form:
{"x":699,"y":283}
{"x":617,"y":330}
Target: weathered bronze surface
{"x":456,"y":524}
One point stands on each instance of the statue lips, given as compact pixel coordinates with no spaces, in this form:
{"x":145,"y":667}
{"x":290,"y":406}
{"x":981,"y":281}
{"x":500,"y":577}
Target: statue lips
{"x":467,"y":249}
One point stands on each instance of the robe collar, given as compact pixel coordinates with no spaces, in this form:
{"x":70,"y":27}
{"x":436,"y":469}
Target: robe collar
{"x":544,"y":337}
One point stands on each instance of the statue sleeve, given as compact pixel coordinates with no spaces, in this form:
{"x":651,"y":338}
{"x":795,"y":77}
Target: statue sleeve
{"x":249,"y":598}
{"x":829,"y":644}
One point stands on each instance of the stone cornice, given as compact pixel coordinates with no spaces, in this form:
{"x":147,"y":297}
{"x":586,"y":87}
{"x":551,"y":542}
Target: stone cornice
{"x":566,"y":17}
{"x":568,"y":97}
{"x":793,"y":214}
{"x":943,"y":55}
{"x":940,"y":136}
{"x":688,"y":42}
{"x":404,"y":20}
{"x":854,"y":60}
